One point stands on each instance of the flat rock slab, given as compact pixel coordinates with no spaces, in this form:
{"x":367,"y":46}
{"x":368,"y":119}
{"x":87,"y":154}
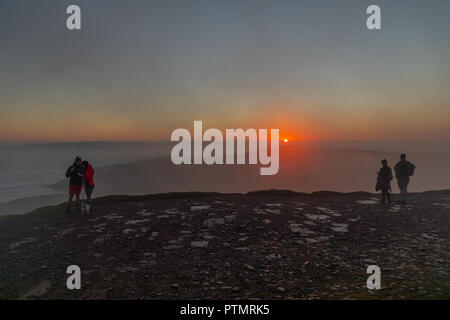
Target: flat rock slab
{"x":199,"y":244}
{"x":213,"y":222}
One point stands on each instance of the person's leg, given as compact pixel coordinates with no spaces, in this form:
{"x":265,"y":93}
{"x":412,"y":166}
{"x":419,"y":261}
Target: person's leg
{"x":89,"y":191}
{"x":383,"y":195}
{"x":77,"y":199}
{"x":388,"y":197}
{"x":402,"y":183}
{"x":405,"y":194}
{"x":69,"y":202}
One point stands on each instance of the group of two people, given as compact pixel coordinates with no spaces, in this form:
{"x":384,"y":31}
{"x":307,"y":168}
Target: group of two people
{"x":403,"y":171}
{"x":80,"y":174}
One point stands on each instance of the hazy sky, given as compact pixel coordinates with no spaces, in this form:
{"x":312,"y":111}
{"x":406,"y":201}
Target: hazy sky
{"x":139,"y":69}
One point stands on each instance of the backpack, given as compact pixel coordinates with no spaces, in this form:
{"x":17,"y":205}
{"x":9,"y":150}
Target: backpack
{"x":410,"y":169}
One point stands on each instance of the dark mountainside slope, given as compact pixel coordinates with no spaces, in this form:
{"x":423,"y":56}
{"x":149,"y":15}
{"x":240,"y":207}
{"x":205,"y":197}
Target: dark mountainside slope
{"x":271,"y":244}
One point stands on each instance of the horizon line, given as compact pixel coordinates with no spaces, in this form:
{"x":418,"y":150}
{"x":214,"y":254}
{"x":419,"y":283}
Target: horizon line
{"x":168,"y":141}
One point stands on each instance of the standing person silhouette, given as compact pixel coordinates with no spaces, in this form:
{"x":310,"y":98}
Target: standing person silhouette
{"x":88,"y":180}
{"x":384,"y":182}
{"x":403,"y":170}
{"x":75,"y":173}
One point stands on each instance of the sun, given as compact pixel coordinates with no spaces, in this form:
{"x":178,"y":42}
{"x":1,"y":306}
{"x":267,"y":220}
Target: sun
{"x":285,"y":140}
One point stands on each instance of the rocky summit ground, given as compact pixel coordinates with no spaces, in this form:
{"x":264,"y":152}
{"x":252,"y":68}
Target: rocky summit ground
{"x":262,"y":245}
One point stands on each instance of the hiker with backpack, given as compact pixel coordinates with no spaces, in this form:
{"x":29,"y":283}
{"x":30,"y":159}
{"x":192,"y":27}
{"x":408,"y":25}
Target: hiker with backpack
{"x":75,"y":173}
{"x":384,"y":182}
{"x":403,"y":170}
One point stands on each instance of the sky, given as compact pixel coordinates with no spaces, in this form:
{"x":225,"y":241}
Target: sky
{"x":140,"y":69}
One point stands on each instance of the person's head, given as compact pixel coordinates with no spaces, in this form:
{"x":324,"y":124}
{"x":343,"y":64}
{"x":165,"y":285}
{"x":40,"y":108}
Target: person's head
{"x":85,"y":163}
{"x":403,"y":156}
{"x":78,"y":160}
{"x":384,"y":162}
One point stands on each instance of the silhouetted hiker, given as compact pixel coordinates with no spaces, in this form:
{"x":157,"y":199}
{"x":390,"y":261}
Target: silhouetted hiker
{"x":75,"y":173}
{"x":384,"y":181}
{"x":403,"y":170}
{"x":88,"y":180}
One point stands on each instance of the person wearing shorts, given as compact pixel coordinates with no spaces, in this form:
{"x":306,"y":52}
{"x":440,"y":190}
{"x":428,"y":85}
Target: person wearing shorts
{"x":75,"y":175}
{"x":403,"y":184}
